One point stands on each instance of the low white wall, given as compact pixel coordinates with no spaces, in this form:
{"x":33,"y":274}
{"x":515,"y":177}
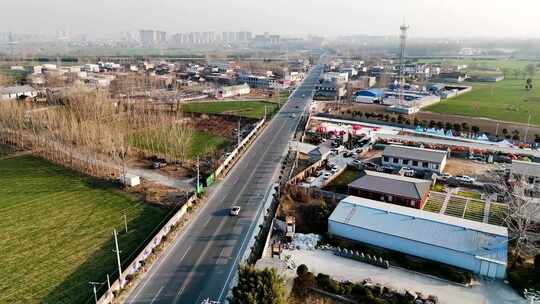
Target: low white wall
{"x":108,"y":297}
{"x":229,"y":160}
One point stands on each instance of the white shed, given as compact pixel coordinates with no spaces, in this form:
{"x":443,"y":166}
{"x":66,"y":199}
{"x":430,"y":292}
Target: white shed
{"x":477,"y":247}
{"x":130,"y":180}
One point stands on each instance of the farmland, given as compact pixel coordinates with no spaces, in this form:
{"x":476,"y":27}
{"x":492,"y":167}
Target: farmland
{"x":201,"y":143}
{"x":248,"y":108}
{"x":506,"y":100}
{"x":204,"y":143}
{"x":57,"y":231}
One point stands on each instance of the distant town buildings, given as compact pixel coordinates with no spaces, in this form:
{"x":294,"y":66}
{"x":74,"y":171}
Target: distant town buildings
{"x":232,"y":91}
{"x":17,"y":92}
{"x":150,"y":38}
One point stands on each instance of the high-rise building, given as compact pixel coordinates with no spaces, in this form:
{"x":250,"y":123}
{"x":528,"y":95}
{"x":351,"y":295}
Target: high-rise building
{"x":161,"y":37}
{"x":147,"y":37}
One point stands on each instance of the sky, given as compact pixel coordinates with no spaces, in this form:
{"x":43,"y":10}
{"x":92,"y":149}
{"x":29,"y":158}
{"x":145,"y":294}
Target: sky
{"x":427,"y":18}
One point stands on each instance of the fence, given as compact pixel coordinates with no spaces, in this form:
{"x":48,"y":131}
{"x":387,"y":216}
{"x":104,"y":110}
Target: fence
{"x":138,"y":262}
{"x":229,"y":161}
{"x":309,"y":170}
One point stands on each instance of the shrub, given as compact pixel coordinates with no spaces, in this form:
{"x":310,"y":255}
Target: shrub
{"x":303,"y":284}
{"x":258,"y":286}
{"x":325,"y":283}
{"x":302,"y":270}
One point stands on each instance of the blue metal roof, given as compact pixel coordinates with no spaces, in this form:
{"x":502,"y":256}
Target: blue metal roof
{"x":370,"y":92}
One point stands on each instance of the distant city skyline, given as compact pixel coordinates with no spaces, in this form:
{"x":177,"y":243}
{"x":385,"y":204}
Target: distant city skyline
{"x":427,"y":18}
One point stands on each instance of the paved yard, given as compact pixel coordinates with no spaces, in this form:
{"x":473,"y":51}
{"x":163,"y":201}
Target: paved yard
{"x":346,"y":269}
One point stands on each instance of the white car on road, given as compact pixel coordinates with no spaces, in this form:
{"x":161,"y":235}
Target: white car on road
{"x":235,"y":211}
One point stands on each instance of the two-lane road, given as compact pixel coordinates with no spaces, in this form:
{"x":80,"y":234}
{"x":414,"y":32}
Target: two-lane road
{"x":203,"y":259}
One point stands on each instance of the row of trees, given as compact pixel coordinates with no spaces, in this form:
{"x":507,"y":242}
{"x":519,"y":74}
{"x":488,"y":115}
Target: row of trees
{"x":92,"y":132}
{"x":455,"y":127}
{"x":400,"y":119}
{"x":517,"y":73}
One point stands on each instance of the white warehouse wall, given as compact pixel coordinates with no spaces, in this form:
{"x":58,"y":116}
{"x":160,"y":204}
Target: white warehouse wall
{"x":415,"y":248}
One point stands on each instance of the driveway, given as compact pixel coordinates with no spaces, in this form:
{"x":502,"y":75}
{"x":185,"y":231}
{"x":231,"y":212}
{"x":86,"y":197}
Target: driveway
{"x":340,"y":268}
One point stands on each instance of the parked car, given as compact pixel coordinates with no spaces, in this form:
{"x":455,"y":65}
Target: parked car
{"x":356,"y":162}
{"x":310,"y":179}
{"x":464,"y":179}
{"x":444,"y":176}
{"x":370,"y":166}
{"x":477,"y":158}
{"x":406,"y":171}
{"x":235,"y":211}
{"x":318,"y":173}
{"x":347,"y":154}
{"x":385,"y":169}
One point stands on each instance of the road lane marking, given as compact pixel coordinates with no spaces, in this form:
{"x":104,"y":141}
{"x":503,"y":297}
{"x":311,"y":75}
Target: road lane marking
{"x":157,"y":294}
{"x":220,"y":227}
{"x":251,"y":226}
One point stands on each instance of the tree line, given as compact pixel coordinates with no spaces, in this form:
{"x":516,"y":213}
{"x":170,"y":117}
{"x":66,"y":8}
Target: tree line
{"x":92,"y":132}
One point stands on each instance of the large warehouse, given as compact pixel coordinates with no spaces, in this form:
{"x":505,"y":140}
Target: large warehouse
{"x":478,"y":247}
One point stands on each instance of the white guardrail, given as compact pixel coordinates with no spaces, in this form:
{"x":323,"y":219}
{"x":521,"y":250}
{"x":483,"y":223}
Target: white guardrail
{"x":239,"y":148}
{"x":137,"y":263}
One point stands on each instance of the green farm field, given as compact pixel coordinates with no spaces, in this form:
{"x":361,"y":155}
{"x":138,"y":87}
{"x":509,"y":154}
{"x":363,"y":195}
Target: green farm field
{"x":56,"y":231}
{"x":506,"y":100}
{"x":242,"y":108}
{"x":502,"y":64}
{"x":202,"y":143}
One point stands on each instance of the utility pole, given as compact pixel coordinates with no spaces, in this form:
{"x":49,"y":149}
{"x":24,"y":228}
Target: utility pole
{"x":94,"y":289}
{"x":120,"y":278}
{"x":497,"y":130}
{"x":198,"y":174}
{"x":238,"y":133}
{"x":108,"y":282}
{"x":264,"y":112}
{"x":527,"y":130}
{"x":125,"y":222}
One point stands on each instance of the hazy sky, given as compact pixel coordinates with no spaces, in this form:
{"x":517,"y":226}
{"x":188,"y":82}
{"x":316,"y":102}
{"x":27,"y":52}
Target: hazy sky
{"x":427,"y":18}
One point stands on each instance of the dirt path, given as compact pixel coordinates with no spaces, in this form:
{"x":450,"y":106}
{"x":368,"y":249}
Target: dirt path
{"x":16,"y":154}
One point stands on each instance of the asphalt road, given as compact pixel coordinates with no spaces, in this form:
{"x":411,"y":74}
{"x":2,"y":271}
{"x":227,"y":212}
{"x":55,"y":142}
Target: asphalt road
{"x":203,"y":259}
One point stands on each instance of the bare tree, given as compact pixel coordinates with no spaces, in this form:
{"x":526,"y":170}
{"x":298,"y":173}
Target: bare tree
{"x":523,"y":214}
{"x":5,"y":81}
